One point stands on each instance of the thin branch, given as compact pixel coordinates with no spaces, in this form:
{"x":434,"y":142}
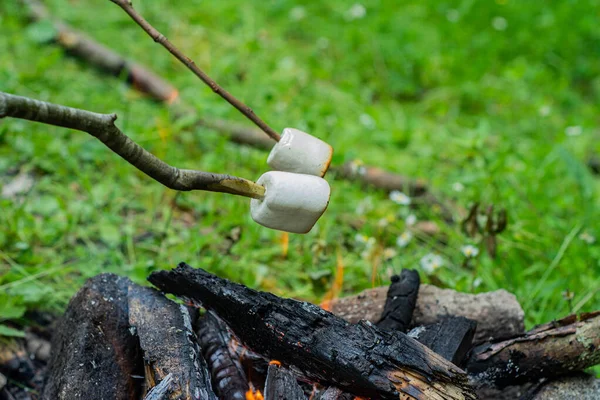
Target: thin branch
{"x":102,"y":127}
{"x":161,"y":39}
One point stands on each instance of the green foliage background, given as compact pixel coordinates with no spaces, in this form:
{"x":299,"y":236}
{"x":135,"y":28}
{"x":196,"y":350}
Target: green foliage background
{"x":479,"y":93}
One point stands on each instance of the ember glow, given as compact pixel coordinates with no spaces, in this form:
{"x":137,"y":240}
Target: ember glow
{"x":251,"y":395}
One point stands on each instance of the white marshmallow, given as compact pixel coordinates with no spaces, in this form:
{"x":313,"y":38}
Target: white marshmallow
{"x":300,"y":152}
{"x":292,"y":202}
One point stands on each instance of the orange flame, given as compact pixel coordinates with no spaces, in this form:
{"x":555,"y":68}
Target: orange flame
{"x":338,"y":281}
{"x":275,"y":362}
{"x":250,"y":395}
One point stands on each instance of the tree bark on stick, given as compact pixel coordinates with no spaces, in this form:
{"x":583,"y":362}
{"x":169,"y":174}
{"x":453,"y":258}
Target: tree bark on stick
{"x":102,"y":127}
{"x":158,"y":37}
{"x":357,"y":358}
{"x":143,"y":79}
{"x":549,"y":350}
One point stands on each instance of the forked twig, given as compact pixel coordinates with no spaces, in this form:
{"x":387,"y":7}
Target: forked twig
{"x":185,"y":60}
{"x":102,"y":127}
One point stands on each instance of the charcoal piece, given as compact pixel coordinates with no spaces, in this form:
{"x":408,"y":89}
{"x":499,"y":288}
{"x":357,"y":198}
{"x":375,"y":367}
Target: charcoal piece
{"x":400,"y":301}
{"x":94,"y":355}
{"x":359,"y":358}
{"x":498,"y":314}
{"x":547,"y":351}
{"x":228,"y":377}
{"x":281,"y":384}
{"x":451,"y":338}
{"x":169,"y":344}
{"x":162,"y":390}
{"x":333,"y":393}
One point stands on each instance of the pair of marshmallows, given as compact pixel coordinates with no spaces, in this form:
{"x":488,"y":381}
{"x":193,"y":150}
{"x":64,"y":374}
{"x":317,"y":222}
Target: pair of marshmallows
{"x":296,"y":195}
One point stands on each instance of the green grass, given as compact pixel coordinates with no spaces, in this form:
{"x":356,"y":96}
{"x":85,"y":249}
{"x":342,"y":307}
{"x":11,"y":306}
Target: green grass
{"x":476,"y":93}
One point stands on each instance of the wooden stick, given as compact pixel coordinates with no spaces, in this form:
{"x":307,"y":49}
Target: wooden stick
{"x":102,"y":127}
{"x":162,"y":40}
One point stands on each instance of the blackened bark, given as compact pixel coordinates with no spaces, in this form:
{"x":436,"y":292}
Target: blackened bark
{"x":94,"y":355}
{"x":281,"y":384}
{"x":228,"y":377}
{"x":451,"y":338}
{"x":400,"y":302}
{"x":357,"y":358}
{"x":169,"y":345}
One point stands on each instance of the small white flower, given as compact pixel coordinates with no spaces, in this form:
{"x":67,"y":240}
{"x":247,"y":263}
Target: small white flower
{"x":430,"y":262}
{"x":366,"y":204}
{"x":469,"y":251}
{"x":297,"y":13}
{"x":370,"y":242}
{"x":357,"y":11}
{"x":452,"y":15}
{"x":575,"y":130}
{"x":499,"y":23}
{"x":587,"y":237}
{"x":360,"y":238}
{"x":404,"y":239}
{"x":399,"y":198}
{"x":545,"y":110}
{"x":389,"y":253}
{"x":411,"y":219}
{"x":477,"y":282}
{"x":367,"y":121}
{"x":458,"y":187}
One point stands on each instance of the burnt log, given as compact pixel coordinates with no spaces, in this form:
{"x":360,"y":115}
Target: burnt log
{"x":400,"y":301}
{"x":357,"y":358}
{"x":169,"y":345}
{"x":228,"y":377}
{"x":547,"y":351}
{"x":281,"y":384}
{"x":451,"y":338}
{"x":94,"y":355}
{"x":498,"y":314}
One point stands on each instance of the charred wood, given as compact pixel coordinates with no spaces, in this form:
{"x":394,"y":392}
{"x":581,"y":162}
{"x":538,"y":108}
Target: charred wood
{"x":498,"y":314}
{"x":333,"y":393}
{"x":162,"y":389}
{"x":357,"y":358}
{"x":547,"y":351}
{"x":94,"y":355}
{"x":451,"y":338}
{"x":400,"y":301}
{"x":228,"y":377}
{"x":169,"y":345}
{"x":281,"y":384}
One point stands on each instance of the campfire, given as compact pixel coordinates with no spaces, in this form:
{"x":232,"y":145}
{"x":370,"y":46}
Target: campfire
{"x":119,"y":340}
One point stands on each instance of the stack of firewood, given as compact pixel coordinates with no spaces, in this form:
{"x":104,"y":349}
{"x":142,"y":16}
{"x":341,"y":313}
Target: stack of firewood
{"x":119,"y":340}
